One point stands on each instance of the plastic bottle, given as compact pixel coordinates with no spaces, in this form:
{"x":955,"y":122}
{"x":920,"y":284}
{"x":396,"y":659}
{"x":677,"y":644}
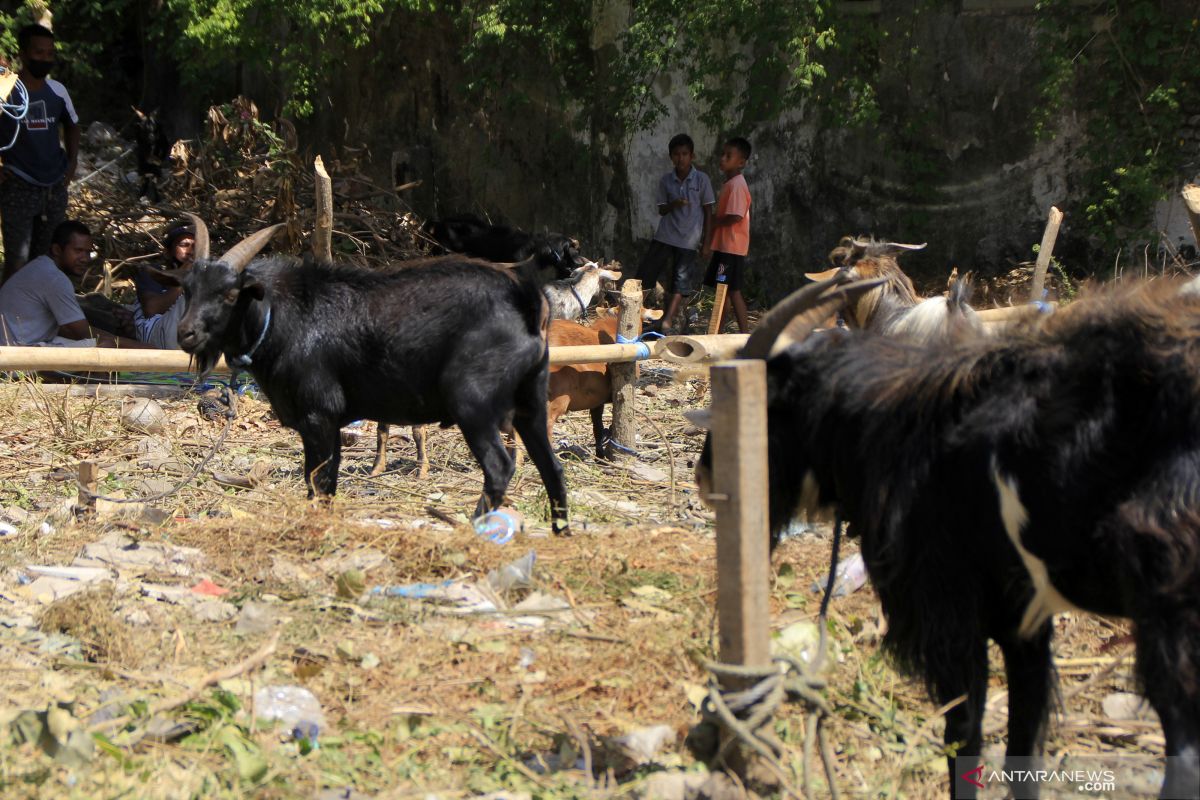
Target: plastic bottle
{"x":514,"y":575}
{"x":296,"y":707}
{"x":499,"y":526}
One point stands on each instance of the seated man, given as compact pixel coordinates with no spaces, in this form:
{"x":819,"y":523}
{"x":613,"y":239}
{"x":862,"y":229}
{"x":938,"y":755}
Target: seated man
{"x":159,"y":307}
{"x":38,"y":304}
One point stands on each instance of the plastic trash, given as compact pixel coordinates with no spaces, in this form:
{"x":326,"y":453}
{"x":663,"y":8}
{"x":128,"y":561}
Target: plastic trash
{"x":513,"y":575}
{"x":850,"y":577}
{"x":296,"y":707}
{"x":499,"y":526}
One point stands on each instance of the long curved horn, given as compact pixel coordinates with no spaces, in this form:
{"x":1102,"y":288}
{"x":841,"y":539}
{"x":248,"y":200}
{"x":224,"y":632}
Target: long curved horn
{"x":887,"y":245}
{"x":770,"y":326}
{"x":200,"y":248}
{"x":240,"y":254}
{"x":815,"y":301}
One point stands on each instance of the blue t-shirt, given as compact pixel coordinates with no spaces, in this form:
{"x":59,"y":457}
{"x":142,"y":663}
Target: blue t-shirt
{"x":37,"y":155}
{"x":682,"y":227}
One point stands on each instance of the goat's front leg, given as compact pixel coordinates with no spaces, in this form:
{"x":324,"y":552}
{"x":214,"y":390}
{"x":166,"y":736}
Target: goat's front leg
{"x":381,"y":439}
{"x":1027,"y":665}
{"x":322,"y":455}
{"x":418,"y":435}
{"x":603,"y":446}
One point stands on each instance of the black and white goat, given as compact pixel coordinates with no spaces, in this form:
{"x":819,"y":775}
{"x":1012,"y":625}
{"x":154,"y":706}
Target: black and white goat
{"x":448,"y":340}
{"x":570,"y":297}
{"x":995,"y":481}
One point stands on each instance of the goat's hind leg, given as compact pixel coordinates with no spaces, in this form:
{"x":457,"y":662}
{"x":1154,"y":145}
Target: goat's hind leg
{"x":483,"y":438}
{"x":530,"y":421}
{"x":418,"y":435}
{"x":1168,"y":666}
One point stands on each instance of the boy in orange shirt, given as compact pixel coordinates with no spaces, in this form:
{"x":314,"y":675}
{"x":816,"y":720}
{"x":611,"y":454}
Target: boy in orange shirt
{"x":731,"y":230}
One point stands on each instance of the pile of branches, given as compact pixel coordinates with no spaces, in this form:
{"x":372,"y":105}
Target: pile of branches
{"x":243,"y":174}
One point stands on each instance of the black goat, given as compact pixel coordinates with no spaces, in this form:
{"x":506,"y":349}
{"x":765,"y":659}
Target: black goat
{"x":995,"y":481}
{"x":447,"y":340}
{"x":152,"y":151}
{"x":468,"y":234}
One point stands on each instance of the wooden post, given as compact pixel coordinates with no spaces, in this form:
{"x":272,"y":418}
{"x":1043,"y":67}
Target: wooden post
{"x":1044,"y":253}
{"x":714,"y":321}
{"x":1191,"y":199}
{"x":740,"y":497}
{"x":322,"y":237}
{"x":624,"y":375}
{"x":739,"y":409}
{"x":85,"y":503}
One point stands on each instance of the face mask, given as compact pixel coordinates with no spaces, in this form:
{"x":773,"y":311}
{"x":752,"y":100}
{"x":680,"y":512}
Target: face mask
{"x":39,"y":69}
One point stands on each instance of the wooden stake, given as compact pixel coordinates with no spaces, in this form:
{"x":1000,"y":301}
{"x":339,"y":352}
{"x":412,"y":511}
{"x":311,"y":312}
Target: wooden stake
{"x":1047,"y":249}
{"x":714,"y":322}
{"x":322,"y":237}
{"x":88,"y":475}
{"x":624,"y":375}
{"x":739,"y":432}
{"x":1191,"y":199}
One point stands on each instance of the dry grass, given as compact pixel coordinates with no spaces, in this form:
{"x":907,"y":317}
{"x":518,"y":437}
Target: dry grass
{"x":417,"y":701}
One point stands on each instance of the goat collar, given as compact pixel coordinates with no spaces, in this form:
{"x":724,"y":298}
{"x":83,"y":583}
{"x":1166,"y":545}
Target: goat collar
{"x":582,"y":305}
{"x":244,"y":359}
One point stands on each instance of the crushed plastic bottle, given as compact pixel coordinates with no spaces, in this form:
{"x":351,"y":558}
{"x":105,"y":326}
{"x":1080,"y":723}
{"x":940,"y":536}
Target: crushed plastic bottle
{"x":297,"y":708}
{"x":499,"y":526}
{"x":850,"y":577}
{"x":513,"y":575}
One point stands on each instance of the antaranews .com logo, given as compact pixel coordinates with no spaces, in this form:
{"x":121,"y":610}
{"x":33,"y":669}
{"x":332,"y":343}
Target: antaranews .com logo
{"x":1111,"y":776}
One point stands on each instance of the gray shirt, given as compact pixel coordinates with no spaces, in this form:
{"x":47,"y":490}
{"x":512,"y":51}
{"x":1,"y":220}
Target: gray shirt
{"x":36,"y":302}
{"x":37,"y":155}
{"x":682,"y":227}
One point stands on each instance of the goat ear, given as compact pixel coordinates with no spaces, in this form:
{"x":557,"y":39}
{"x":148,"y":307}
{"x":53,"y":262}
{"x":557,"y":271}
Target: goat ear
{"x":700,"y":417}
{"x":822,"y":276}
{"x":253,"y":287}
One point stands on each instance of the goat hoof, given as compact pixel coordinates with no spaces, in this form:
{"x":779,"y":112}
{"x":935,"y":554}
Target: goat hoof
{"x":562,"y":529}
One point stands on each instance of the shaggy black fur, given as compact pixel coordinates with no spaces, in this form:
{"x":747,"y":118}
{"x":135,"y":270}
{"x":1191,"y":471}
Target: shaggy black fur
{"x":447,"y":340}
{"x":1094,"y":415}
{"x":467,"y":233}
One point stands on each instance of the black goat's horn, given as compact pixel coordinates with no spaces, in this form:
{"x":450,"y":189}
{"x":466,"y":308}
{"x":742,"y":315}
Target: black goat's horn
{"x":240,"y":254}
{"x":200,"y":248}
{"x":817,"y":301}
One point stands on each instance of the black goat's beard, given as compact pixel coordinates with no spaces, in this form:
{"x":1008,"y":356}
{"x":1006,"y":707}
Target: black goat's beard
{"x":204,"y":360}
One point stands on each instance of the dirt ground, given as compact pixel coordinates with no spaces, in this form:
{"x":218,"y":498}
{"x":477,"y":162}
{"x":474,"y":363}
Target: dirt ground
{"x":417,"y":700}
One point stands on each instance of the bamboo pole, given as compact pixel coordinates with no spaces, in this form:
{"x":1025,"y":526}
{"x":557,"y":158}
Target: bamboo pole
{"x":102,"y":359}
{"x":702,"y":349}
{"x":322,"y":237}
{"x":1191,"y":199}
{"x":1044,"y":252}
{"x":624,"y":374}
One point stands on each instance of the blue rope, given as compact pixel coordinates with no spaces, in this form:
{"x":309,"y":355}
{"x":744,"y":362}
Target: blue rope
{"x":17,"y":110}
{"x":244,"y":360}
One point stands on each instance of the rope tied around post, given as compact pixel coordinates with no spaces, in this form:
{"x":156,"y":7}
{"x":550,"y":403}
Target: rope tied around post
{"x":746,"y":714}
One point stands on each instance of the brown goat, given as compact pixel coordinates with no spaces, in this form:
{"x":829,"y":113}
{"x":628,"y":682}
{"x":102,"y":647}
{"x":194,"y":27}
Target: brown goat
{"x":894,"y":307}
{"x":576,"y":387}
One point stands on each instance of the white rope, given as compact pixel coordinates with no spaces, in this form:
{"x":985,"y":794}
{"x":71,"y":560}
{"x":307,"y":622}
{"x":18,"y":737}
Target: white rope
{"x":16,"y":109}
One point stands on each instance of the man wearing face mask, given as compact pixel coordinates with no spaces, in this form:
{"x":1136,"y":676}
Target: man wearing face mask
{"x":37,"y":168}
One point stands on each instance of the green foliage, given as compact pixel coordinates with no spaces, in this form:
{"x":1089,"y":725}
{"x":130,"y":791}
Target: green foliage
{"x":1125,"y":68}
